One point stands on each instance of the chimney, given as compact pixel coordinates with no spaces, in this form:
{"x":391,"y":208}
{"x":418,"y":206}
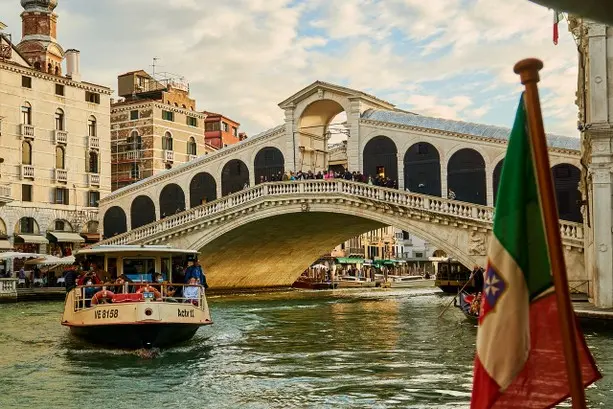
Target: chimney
{"x":73,"y":64}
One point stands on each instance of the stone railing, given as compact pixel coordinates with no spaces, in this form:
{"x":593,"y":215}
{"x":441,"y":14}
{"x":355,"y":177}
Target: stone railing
{"x":27,"y":171}
{"x":321,"y":188}
{"x":93,"y":179}
{"x":169,"y":156}
{"x":27,"y":131}
{"x":61,"y":137}
{"x":61,"y":175}
{"x":8,"y":288}
{"x":93,"y":142}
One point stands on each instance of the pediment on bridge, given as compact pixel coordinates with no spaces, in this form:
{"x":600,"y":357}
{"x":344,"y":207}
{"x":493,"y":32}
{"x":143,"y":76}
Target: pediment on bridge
{"x":321,"y":88}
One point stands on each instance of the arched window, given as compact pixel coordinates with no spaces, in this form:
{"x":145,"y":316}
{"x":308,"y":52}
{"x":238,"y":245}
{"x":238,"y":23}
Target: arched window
{"x":37,"y":65}
{"x":268,"y":165}
{"x":57,"y":70}
{"x":93,"y":162}
{"x":191,"y":146}
{"x":26,"y":153}
{"x":26,"y":114}
{"x":114,"y":222}
{"x":167,"y":142}
{"x":422,"y":169}
{"x":466,"y":177}
{"x":60,"y":158}
{"x":496,"y":179}
{"x":92,"y":126}
{"x":172,"y":200}
{"x":234,"y":177}
{"x":135,"y":141}
{"x":381,"y":160}
{"x":59,"y":119}
{"x":566,"y":179}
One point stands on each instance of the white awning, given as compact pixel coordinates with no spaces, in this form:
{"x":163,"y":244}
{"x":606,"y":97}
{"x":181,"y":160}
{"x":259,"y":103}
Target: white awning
{"x":33,"y":238}
{"x":67,"y":237}
{"x":5,"y":245}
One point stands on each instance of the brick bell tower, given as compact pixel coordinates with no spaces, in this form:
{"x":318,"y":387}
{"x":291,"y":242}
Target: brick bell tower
{"x":39,"y":31}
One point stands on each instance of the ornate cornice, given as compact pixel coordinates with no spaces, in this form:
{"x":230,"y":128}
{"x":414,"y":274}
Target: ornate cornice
{"x":456,"y":135}
{"x":129,"y":106}
{"x":31,"y":72}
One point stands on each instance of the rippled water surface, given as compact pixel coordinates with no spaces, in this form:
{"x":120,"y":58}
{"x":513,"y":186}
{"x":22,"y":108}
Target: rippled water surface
{"x":342,"y":349}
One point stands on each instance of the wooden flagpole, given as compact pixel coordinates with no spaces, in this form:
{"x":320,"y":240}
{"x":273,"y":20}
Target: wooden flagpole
{"x":528,"y":71}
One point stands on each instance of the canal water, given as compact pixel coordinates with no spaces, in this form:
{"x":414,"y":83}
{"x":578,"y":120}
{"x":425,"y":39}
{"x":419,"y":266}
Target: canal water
{"x":341,"y":349}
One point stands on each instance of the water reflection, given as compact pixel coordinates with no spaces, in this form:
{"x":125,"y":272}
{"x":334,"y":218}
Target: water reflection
{"x":343,"y":349}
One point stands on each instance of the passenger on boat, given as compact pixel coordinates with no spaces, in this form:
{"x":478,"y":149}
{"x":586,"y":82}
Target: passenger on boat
{"x":195,"y":271}
{"x":168,"y":291}
{"x":120,"y":287}
{"x":191,"y":293}
{"x":70,"y":276}
{"x":478,"y":278}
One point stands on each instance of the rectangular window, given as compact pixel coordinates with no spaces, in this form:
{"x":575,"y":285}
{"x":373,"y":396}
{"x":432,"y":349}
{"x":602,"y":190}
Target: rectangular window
{"x":93,"y":197}
{"x":191,"y":121}
{"x":224,"y":126}
{"x":60,"y":225}
{"x":234,"y":131}
{"x":419,"y":255}
{"x":27,"y":225}
{"x":26,"y":82}
{"x":211,"y":126}
{"x":26,"y":193}
{"x":134,"y":115}
{"x":168,"y":116}
{"x":59,"y":89}
{"x":92,"y":97}
{"x":61,"y":195}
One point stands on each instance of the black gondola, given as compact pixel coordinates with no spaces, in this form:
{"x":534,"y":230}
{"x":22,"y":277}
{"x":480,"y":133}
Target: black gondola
{"x":464,"y":305}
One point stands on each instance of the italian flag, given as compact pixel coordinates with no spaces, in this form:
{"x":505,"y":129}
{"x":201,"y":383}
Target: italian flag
{"x":520,"y":360}
{"x":557,"y":16}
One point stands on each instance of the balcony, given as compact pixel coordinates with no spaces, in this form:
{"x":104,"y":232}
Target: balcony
{"x":27,"y":172}
{"x":27,"y":131}
{"x":61,"y":175}
{"x":93,"y":179}
{"x":191,"y":157}
{"x":93,"y":142}
{"x":61,"y":137}
{"x":5,"y":194}
{"x":127,"y":156}
{"x":169,"y":156}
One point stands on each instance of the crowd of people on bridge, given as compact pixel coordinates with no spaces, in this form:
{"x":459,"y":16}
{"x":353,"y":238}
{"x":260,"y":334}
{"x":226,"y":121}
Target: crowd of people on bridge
{"x":378,"y":180}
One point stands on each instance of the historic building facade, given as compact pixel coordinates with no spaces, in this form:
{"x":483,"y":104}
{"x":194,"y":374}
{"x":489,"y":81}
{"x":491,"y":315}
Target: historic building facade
{"x":54,"y":137}
{"x":155,"y":127}
{"x":221,"y":131}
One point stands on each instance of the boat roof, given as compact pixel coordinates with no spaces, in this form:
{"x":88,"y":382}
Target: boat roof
{"x":133,"y":248}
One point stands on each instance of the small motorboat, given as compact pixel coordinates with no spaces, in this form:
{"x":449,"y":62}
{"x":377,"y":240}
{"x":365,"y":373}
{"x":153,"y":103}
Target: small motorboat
{"x":469,"y":304}
{"x":137,"y":313}
{"x":311,"y":284}
{"x":353,"y":282}
{"x":406,"y":281}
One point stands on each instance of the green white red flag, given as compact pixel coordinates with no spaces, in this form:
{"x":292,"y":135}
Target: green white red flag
{"x":520,"y":358}
{"x":557,"y":16}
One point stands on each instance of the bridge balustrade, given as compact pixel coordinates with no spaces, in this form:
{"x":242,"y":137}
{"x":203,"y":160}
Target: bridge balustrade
{"x":316,"y":188}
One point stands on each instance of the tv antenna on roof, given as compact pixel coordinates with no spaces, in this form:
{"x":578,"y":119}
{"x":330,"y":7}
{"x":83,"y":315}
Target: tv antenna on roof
{"x":155,"y":59}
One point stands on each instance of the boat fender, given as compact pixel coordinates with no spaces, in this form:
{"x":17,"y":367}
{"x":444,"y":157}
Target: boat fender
{"x":102,"y":295}
{"x":150,"y":289}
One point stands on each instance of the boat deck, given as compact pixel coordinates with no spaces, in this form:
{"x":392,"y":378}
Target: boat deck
{"x":589,"y":311}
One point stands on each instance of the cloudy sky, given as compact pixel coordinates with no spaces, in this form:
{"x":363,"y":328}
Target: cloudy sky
{"x":445,"y":58}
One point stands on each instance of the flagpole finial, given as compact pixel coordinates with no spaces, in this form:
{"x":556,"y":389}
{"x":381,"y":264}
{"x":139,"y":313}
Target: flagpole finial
{"x":528,"y":70}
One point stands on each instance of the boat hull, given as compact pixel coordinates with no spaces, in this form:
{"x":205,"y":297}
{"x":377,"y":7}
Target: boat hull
{"x":135,"y":336}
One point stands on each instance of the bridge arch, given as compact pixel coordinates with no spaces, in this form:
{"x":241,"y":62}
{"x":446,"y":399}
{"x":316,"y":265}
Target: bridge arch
{"x":172,"y":200}
{"x":466,"y":176}
{"x":142,"y":211}
{"x":114,"y":222}
{"x":566,"y":179}
{"x":496,"y":178}
{"x":202,"y":187}
{"x":380,"y":157}
{"x":268,"y":163}
{"x":422,"y":169}
{"x":259,"y":233}
{"x":234,"y":177}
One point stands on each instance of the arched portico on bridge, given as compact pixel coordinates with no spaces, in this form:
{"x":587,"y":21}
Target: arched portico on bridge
{"x":202,"y":188}
{"x":422,"y":169}
{"x":234,"y":177}
{"x":142,"y":211}
{"x":114,"y":222}
{"x":380,"y":158}
{"x":566,"y":179}
{"x":172,"y":200}
{"x":268,"y":165}
{"x":466,"y":176}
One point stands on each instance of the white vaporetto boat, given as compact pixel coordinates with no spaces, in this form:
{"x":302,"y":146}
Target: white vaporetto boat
{"x":137,"y":313}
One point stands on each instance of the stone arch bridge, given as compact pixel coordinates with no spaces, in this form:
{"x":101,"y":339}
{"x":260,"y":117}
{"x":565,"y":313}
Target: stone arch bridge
{"x":267,"y":235}
{"x":428,"y":159}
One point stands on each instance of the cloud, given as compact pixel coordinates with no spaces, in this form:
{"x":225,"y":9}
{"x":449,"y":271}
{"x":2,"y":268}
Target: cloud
{"x":447,"y":58}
